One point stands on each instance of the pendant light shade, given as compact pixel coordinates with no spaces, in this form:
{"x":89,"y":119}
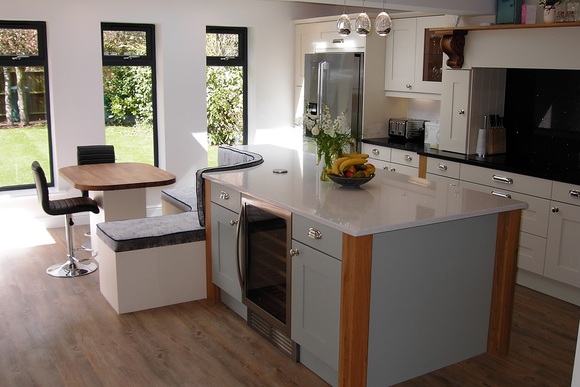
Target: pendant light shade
{"x":383,"y":24}
{"x":343,"y":25}
{"x":362,"y":25}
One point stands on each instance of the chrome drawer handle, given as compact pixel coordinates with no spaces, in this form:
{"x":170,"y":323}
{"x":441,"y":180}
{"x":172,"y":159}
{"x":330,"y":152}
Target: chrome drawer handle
{"x":408,"y":158}
{"x":224,"y":195}
{"x":314,"y":234}
{"x":442,"y":167}
{"x":409,"y":86}
{"x":294,"y":252}
{"x":233,"y":222}
{"x":375,"y":152}
{"x":502,"y":179}
{"x":575,"y":193}
{"x":501,"y":194}
{"x":462,"y":112}
{"x":555,"y":209}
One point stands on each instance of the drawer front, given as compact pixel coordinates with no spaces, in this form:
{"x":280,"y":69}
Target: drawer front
{"x":506,"y":180}
{"x":318,"y":236}
{"x":443,"y":167}
{"x":403,"y":157}
{"x":404,"y":169}
{"x":566,"y":193}
{"x":226,"y":197}
{"x":534,"y":218}
{"x":377,"y":152}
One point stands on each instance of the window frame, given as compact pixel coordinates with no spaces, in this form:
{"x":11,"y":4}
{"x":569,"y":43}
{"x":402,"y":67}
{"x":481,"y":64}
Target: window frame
{"x":240,"y":60}
{"x":40,"y":60}
{"x":136,"y":61}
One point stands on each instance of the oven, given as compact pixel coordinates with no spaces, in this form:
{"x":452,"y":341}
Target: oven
{"x":265,"y":271}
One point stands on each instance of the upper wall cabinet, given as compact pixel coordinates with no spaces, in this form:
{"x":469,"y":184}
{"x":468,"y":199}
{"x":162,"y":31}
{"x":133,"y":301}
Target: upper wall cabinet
{"x":414,"y":59}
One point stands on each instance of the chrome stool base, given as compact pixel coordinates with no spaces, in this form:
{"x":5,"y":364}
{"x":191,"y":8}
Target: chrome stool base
{"x":71,"y":269}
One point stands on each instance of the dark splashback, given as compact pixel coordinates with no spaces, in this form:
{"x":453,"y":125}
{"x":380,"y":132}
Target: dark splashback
{"x":542,"y":116}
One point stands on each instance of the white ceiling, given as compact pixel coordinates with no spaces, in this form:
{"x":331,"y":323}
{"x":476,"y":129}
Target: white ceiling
{"x":452,"y":7}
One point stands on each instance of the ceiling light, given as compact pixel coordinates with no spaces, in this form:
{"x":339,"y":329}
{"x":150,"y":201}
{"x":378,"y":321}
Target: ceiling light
{"x":363,"y":23}
{"x":383,"y":22}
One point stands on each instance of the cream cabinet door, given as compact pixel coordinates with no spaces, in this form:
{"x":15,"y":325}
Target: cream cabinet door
{"x":563,"y":246}
{"x":400,"y":57}
{"x":455,"y":100}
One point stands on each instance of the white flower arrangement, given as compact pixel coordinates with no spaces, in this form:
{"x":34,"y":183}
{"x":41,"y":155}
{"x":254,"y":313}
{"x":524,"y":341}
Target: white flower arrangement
{"x":548,"y":3}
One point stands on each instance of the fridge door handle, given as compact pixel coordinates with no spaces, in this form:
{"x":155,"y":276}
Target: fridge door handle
{"x":321,"y":89}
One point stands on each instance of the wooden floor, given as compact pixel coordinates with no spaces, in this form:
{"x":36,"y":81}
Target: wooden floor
{"x":62,"y":332}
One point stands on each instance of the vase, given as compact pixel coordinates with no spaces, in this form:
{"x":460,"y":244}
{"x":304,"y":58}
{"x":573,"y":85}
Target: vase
{"x":549,"y":14}
{"x":326,"y":159}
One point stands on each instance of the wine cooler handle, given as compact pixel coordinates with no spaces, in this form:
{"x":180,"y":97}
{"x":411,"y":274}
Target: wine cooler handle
{"x":241,"y":216}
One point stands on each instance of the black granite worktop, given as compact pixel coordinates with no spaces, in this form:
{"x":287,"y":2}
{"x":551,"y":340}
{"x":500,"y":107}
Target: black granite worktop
{"x":523,"y":163}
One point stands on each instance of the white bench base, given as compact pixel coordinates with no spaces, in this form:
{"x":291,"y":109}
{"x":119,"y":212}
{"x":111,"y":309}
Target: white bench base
{"x":153,"y":277}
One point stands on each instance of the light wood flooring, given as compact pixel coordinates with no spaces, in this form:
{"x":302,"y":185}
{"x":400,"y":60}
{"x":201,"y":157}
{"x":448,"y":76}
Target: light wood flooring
{"x":62,"y":332}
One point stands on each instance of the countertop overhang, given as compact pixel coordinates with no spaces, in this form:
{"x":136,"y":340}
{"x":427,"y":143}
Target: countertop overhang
{"x":391,"y":201}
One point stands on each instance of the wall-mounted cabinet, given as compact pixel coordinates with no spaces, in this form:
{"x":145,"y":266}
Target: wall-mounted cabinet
{"x":455,"y":98}
{"x":414,"y":59}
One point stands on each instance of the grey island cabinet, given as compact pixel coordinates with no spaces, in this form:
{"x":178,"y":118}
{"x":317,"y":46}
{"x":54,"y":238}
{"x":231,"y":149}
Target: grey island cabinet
{"x":405,"y":276}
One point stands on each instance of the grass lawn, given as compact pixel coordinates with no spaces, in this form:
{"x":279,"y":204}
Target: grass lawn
{"x":19,"y":147}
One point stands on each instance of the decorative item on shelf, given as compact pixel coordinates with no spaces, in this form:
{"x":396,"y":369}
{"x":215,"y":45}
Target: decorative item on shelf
{"x":332,"y":137}
{"x":343,"y":24}
{"x":383,"y":22}
{"x":549,"y":9}
{"x":572,"y":10}
{"x":362,"y":24}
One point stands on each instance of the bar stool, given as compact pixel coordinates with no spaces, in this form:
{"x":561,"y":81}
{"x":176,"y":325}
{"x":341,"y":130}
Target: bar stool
{"x":94,"y":154}
{"x":73,"y":267}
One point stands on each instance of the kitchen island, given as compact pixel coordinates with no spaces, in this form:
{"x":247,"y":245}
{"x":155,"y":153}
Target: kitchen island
{"x":427,"y":271}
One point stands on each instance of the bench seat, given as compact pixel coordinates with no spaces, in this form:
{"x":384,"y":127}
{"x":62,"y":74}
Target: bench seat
{"x":151,"y":262}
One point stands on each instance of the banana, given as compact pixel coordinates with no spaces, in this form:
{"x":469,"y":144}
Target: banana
{"x":345,"y":164}
{"x":336,"y":164}
{"x":356,"y":155}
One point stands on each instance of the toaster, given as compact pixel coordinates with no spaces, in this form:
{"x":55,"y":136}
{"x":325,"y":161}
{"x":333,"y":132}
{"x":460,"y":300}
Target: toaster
{"x":407,"y":128}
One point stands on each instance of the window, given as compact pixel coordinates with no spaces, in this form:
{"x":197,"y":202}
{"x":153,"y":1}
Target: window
{"x":130,"y":92}
{"x":24,"y":111}
{"x":226,"y":87}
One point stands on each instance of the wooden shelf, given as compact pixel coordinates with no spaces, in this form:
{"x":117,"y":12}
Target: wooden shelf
{"x":453,"y":38}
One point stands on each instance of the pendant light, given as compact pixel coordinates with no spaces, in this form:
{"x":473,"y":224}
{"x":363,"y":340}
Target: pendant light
{"x":343,"y":23}
{"x":383,"y":22}
{"x":363,"y":23}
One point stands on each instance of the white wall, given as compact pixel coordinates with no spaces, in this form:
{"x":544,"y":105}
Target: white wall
{"x":74,"y":51}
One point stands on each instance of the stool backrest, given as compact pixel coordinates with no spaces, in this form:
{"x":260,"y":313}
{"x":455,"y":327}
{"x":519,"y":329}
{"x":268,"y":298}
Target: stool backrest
{"x":41,"y":186}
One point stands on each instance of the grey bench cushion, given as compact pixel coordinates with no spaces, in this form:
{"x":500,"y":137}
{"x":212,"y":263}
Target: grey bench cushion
{"x":157,"y":231}
{"x":183,"y":198}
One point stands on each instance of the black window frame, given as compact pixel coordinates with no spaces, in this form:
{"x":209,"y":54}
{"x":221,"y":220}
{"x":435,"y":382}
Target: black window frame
{"x":40,"y":60}
{"x":134,"y":60}
{"x":240,"y":60}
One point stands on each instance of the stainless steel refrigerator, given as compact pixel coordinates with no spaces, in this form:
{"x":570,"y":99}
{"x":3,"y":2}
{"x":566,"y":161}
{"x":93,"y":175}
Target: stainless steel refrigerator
{"x":335,"y":79}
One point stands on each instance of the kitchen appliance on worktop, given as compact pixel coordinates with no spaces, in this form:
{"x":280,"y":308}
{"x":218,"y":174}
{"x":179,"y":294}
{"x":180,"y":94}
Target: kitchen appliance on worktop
{"x":410,"y":129}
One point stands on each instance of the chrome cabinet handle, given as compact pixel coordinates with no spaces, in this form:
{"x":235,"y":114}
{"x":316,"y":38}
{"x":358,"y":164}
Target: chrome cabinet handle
{"x":233,"y":222}
{"x":408,"y":86}
{"x":574,"y":193}
{"x":555,"y":209}
{"x":502,"y":179}
{"x":375,"y":152}
{"x":224,"y":195}
{"x":294,"y":252}
{"x":462,"y":112}
{"x":393,"y":170}
{"x":501,"y":194}
{"x":240,"y":270}
{"x":442,"y":167}
{"x":408,"y":158}
{"x":314,"y":234}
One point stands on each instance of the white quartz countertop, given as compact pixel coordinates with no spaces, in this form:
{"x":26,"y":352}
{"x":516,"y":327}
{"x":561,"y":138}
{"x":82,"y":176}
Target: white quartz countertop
{"x":391,"y":201}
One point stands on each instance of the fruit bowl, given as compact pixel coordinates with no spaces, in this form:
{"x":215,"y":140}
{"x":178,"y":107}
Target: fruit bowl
{"x":350,"y":181}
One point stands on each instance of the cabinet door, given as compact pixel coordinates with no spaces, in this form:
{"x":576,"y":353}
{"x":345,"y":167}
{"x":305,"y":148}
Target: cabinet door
{"x":429,"y":66}
{"x":223,"y":250}
{"x":400,"y":58}
{"x":454,"y":111}
{"x":562,"y":253}
{"x":316,"y":302}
